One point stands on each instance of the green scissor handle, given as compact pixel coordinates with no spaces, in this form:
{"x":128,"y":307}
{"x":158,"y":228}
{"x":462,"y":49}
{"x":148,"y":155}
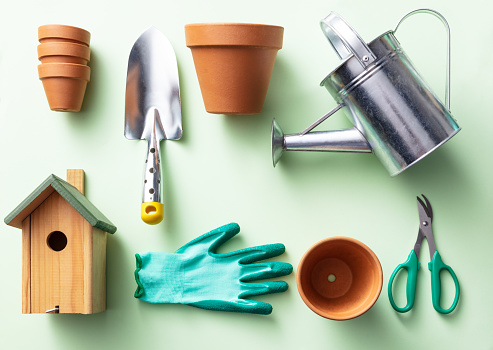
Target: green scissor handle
{"x":412,"y":266}
{"x":435,"y":266}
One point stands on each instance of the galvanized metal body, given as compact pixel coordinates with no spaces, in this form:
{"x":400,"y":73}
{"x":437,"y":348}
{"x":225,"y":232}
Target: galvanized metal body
{"x":391,"y":105}
{"x":152,"y":103}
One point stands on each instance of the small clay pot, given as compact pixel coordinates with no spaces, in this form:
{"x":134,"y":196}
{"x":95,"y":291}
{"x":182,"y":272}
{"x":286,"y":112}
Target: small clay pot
{"x":339,"y":278}
{"x":64,"y":85}
{"x":62,"y":33}
{"x":234,"y":63}
{"x":57,"y":52}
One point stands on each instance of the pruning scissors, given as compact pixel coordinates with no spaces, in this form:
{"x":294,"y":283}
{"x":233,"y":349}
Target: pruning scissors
{"x":435,"y":266}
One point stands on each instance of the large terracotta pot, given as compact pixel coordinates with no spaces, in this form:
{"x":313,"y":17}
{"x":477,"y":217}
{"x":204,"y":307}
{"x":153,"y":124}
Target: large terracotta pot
{"x":234,"y":63}
{"x":64,"y":85}
{"x":339,"y":278}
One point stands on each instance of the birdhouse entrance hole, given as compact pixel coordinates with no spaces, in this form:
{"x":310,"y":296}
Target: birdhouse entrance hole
{"x":57,"y":241}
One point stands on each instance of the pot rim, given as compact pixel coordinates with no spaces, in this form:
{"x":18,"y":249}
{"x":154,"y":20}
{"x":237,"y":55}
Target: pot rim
{"x":234,"y":34}
{"x":64,"y":70}
{"x":64,"y":31}
{"x":237,"y":24}
{"x":343,"y":239}
{"x":64,"y":49}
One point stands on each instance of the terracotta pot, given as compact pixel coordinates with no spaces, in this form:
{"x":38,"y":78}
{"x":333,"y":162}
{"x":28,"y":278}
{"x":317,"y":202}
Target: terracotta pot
{"x":234,"y":63}
{"x":339,"y":278}
{"x":63,"y":33}
{"x":64,"y":84}
{"x":58,"y":52}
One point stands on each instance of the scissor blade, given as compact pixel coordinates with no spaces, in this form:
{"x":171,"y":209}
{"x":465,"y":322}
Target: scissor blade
{"x":425,"y":229}
{"x":422,"y":210}
{"x":419,"y":241}
{"x":429,"y":209}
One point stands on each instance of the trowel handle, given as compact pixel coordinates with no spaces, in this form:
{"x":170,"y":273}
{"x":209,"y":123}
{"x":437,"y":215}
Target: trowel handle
{"x":152,"y":210}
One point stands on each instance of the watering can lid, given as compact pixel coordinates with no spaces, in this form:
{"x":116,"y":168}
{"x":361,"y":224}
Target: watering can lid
{"x":345,"y":40}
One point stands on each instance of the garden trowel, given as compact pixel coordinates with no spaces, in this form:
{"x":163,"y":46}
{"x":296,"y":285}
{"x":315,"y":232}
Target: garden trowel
{"x":152,"y":110}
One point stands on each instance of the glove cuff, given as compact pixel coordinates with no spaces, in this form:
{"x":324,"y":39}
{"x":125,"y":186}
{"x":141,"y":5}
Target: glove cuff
{"x":159,"y":278}
{"x":140,"y":288}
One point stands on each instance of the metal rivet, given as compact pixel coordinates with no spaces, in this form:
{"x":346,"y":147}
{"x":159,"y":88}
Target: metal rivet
{"x":366,"y":58}
{"x":425,"y":223}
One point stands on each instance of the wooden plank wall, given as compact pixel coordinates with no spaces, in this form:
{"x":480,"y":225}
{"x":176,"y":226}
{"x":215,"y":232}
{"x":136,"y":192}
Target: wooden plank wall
{"x":57,"y":278}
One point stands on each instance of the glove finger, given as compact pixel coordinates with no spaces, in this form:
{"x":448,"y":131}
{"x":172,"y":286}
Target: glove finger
{"x":259,"y":271}
{"x":239,"y":305}
{"x":253,"y":254}
{"x":253,"y":289}
{"x":211,"y":240}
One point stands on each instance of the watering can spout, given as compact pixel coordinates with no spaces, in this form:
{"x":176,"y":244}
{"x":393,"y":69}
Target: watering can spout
{"x":277,"y":142}
{"x":349,"y":140}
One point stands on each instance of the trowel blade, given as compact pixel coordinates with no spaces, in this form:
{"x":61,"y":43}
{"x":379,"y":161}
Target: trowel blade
{"x":152,"y":83}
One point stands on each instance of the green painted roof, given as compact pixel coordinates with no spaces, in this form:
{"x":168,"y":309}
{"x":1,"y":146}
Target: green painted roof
{"x":71,"y":194}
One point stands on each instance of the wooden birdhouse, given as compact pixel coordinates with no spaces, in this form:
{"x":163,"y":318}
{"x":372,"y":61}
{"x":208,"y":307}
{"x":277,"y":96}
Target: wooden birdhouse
{"x":63,"y":248}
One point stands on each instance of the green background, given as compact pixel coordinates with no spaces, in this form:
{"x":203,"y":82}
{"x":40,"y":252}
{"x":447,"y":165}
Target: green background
{"x":221,"y":171}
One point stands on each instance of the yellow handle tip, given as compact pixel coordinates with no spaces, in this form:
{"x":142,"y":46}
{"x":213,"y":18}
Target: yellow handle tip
{"x":152,"y":213}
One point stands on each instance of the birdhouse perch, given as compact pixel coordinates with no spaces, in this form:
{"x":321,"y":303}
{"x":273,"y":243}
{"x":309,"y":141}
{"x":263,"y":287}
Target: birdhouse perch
{"x":63,"y":248}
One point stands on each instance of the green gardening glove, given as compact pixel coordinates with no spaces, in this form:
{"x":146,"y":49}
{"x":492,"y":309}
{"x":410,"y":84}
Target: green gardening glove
{"x":196,"y":275}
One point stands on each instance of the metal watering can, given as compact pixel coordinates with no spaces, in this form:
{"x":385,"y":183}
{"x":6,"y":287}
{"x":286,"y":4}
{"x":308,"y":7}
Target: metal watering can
{"x":395,"y":114}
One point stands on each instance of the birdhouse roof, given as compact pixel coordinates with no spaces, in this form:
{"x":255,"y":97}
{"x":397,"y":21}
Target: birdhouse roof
{"x":76,"y":199}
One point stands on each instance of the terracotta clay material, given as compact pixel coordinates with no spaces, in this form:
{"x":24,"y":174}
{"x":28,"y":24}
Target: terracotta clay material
{"x":64,"y":85}
{"x":62,"y":33}
{"x":234,"y":63}
{"x":339,"y":278}
{"x":63,"y":53}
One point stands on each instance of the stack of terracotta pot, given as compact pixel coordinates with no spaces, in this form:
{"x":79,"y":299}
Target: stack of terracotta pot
{"x":64,"y":52}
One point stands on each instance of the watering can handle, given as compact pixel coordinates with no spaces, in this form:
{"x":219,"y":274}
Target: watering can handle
{"x":345,"y":40}
{"x":447,"y":28}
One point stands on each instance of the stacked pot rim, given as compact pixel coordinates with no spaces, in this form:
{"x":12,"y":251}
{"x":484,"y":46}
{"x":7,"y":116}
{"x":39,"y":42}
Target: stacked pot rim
{"x":64,"y":53}
{"x":63,"y":33}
